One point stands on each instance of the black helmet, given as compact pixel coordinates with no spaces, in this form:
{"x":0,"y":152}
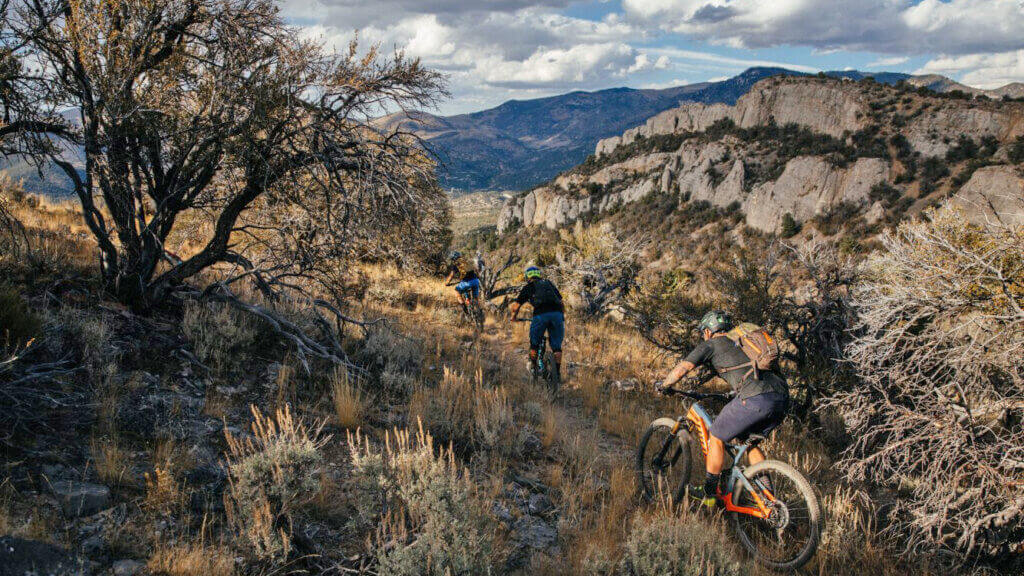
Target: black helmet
{"x":715,"y":321}
{"x":454,"y":255}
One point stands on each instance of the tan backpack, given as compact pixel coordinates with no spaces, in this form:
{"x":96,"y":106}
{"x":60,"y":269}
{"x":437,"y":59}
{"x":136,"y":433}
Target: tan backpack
{"x":757,"y":344}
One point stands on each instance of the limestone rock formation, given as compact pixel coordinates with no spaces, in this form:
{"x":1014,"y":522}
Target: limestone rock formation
{"x":848,"y":146}
{"x":994,"y":194}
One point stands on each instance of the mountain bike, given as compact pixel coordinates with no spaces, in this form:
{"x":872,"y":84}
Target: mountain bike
{"x":773,"y":507}
{"x":471,"y":311}
{"x":545,"y":367}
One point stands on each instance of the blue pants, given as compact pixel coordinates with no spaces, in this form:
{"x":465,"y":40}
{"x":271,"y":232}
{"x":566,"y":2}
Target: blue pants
{"x":551,"y":322}
{"x":469,"y":286}
{"x":755,"y":415}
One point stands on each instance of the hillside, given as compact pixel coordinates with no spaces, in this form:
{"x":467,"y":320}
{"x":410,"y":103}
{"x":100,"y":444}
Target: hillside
{"x":523,"y":142}
{"x":847,"y":156}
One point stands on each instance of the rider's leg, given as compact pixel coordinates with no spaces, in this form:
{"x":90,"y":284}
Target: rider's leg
{"x":713,"y":465}
{"x":556,"y":334}
{"x":755,"y":456}
{"x":536,"y":334}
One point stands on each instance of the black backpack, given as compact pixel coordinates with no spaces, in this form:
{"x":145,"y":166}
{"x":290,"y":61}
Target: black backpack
{"x":545,"y":294}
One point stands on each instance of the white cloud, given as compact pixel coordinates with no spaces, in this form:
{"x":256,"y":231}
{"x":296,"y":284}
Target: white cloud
{"x":887,"y":62}
{"x":979,"y":70}
{"x":888,"y":26}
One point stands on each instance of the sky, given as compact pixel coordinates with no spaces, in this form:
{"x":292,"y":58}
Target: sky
{"x":496,"y":50}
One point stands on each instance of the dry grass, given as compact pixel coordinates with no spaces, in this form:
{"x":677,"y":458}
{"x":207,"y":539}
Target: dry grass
{"x":192,"y":559}
{"x":349,"y":404}
{"x":110,"y":460}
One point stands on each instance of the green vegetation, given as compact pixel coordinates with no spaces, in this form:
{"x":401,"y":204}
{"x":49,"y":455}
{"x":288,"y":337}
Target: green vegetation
{"x":790,"y":227}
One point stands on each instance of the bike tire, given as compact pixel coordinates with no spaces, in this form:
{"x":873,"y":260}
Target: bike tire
{"x":814,"y":513}
{"x":682,"y":466}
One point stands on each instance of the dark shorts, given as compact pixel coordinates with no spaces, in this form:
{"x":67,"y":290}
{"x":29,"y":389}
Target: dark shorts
{"x":551,"y":322}
{"x":755,"y":415}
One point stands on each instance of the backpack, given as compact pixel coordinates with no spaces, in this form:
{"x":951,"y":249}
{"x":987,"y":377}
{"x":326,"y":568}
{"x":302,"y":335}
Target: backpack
{"x":757,"y":344}
{"x":545,"y":293}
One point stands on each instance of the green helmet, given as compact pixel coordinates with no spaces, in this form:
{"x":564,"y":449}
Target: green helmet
{"x":715,"y":321}
{"x":533,"y":272}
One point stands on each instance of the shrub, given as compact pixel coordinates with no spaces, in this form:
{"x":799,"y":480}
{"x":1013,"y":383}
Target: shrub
{"x":668,"y":544}
{"x":465,"y":413}
{"x":438,"y":523}
{"x":1016,"y":153}
{"x":964,"y":149}
{"x":18,"y":325}
{"x":220,"y":334}
{"x":885,"y":193}
{"x":349,"y":405}
{"x":790,"y":227}
{"x":937,"y":410}
{"x":836,"y":218}
{"x":271,"y":473}
{"x":391,"y":351}
{"x":933,"y":169}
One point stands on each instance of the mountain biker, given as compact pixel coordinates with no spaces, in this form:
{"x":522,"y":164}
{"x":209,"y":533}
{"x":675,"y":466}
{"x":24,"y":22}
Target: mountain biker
{"x":548,"y":316}
{"x":456,"y":266}
{"x":759,"y":406}
{"x":468,"y":287}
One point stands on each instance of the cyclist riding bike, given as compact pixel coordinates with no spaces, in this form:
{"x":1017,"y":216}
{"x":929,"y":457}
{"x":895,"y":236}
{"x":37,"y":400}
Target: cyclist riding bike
{"x":468,"y":287}
{"x":760,"y":403}
{"x":548,"y":317}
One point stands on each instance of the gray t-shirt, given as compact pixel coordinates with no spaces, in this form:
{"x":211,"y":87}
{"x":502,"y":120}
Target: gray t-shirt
{"x":722,"y":353}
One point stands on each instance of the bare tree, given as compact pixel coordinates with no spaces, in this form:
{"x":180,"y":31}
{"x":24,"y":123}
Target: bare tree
{"x":217,"y":108}
{"x":597,"y":266}
{"x":495,"y":280}
{"x":938,"y":409}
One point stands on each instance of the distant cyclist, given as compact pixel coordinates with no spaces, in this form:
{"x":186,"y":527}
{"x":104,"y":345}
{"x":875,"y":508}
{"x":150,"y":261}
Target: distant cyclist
{"x":457,"y":266}
{"x":548,"y":316}
{"x":468,"y":286}
{"x":760,"y":404}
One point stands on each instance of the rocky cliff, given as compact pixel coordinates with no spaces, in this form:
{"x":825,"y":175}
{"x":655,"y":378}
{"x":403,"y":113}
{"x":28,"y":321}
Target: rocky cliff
{"x":802,"y":147}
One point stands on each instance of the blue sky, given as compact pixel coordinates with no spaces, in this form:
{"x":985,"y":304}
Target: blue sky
{"x":495,"y":50}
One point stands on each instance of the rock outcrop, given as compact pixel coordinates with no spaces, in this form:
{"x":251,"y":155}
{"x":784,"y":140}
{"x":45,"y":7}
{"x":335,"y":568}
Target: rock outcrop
{"x":993,"y":194}
{"x":732,"y":167}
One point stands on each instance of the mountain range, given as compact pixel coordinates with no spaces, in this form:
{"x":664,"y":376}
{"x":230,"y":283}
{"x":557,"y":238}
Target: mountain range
{"x":523,"y":143}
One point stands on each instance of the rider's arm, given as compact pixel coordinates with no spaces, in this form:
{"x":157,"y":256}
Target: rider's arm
{"x":699,"y":355}
{"x":524,"y":296}
{"x":682,"y":369}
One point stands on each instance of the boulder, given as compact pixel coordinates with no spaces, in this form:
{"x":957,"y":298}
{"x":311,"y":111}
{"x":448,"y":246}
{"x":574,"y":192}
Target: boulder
{"x":993,"y":194}
{"x":80,"y":498}
{"x":19,"y":557}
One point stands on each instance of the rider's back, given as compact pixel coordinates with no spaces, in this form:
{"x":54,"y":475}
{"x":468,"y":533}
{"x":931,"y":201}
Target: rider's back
{"x":543,"y":296}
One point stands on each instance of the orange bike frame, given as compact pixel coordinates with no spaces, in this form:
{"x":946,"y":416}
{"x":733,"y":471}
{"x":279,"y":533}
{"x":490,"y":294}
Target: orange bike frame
{"x":699,"y":425}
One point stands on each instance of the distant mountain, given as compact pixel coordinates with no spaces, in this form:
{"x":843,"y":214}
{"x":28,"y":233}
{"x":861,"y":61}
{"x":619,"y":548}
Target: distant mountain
{"x":524,"y":142}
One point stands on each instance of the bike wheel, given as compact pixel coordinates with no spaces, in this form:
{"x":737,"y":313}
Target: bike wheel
{"x":663,"y":460}
{"x":789,"y":537}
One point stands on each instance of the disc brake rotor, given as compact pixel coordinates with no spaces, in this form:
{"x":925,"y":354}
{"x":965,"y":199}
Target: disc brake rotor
{"x":778,"y":515}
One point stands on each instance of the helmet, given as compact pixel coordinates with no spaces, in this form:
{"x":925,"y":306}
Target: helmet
{"x":715,"y":321}
{"x":533,"y":272}
{"x":454,"y":255}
